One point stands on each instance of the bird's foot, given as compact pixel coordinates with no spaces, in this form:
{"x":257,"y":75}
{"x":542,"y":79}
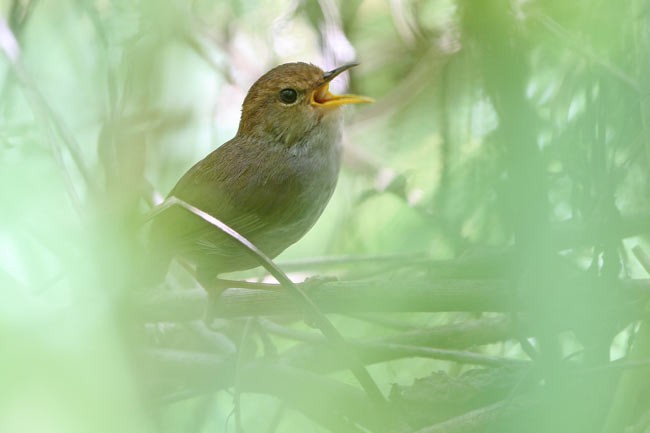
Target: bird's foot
{"x":214,"y":291}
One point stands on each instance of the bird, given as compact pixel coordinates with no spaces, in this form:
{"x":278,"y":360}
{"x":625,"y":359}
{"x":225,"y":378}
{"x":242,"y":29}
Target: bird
{"x":270,"y":183}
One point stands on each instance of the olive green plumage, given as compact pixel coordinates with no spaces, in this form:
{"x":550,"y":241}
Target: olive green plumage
{"x":270,"y":183}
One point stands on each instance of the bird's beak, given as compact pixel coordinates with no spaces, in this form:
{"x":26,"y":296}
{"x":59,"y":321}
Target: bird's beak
{"x":321,"y":96}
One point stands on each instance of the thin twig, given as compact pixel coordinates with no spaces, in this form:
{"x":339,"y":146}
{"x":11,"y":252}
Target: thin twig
{"x":463,"y":357}
{"x":238,"y":367}
{"x":270,"y":350}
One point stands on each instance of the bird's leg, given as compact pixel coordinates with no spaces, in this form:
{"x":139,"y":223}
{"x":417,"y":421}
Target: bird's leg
{"x":214,"y":288}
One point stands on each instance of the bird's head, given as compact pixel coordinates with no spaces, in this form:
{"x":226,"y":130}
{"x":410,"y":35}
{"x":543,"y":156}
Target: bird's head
{"x":290,"y":101}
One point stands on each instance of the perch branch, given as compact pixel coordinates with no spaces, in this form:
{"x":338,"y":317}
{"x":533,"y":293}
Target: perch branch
{"x":340,"y":297}
{"x":429,"y":296}
{"x":297,"y":295}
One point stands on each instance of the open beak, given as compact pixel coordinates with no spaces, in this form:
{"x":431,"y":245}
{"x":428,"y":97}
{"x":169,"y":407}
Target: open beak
{"x":321,"y":96}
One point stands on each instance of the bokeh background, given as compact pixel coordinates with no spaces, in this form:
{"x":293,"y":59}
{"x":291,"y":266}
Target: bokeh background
{"x":488,"y":233}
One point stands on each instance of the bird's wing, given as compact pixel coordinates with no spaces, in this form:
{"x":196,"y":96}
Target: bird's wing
{"x":215,"y":186}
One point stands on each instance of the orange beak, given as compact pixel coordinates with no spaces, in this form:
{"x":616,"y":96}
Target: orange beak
{"x":321,"y":96}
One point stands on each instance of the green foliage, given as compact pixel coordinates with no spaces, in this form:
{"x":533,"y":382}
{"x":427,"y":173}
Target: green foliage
{"x":488,"y":232}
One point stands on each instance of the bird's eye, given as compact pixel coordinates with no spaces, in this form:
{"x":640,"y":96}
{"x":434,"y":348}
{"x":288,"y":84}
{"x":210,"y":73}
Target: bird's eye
{"x":288,"y":96}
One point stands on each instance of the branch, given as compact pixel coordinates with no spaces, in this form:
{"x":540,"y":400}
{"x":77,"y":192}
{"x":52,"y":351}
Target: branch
{"x":479,"y":419}
{"x":417,"y":295}
{"x":379,"y":352}
{"x":340,"y":297}
{"x":428,"y":343}
{"x":316,"y":396}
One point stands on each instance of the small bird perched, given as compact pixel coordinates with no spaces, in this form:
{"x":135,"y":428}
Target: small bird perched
{"x":270,"y":183}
